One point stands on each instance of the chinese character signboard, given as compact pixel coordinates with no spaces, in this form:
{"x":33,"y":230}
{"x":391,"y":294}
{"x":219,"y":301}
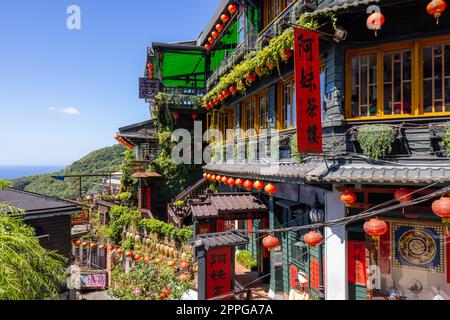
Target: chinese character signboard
{"x":148,"y":88}
{"x":93,"y":281}
{"x":307,"y":88}
{"x":357,"y":262}
{"x":218,"y":272}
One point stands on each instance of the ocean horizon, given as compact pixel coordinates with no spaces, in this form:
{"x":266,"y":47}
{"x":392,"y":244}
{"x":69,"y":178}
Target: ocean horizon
{"x":11,"y":172}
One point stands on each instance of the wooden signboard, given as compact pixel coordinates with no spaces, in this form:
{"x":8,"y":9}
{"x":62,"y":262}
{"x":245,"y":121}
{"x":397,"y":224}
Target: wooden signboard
{"x":148,"y":88}
{"x":219,"y":273}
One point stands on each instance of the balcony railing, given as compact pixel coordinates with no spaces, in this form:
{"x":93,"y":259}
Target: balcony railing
{"x":187,"y":91}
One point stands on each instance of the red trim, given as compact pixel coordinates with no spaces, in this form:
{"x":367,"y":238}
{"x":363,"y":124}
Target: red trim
{"x":447,"y":241}
{"x":357,"y":262}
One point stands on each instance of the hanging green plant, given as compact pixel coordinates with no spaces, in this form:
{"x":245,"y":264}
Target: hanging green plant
{"x":294,"y":150}
{"x":376,"y":140}
{"x":446,"y":139}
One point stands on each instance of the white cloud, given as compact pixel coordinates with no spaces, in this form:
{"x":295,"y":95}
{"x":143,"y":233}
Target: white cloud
{"x":70,"y":111}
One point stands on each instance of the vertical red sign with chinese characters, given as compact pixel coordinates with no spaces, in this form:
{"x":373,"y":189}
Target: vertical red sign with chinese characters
{"x":307,"y":89}
{"x":218,"y":272}
{"x":314,"y":274}
{"x":357,"y":262}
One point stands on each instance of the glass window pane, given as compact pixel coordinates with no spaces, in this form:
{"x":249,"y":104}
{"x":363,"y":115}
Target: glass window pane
{"x":428,"y":95}
{"x":427,"y":63}
{"x":407,"y":98}
{"x":388,"y":99}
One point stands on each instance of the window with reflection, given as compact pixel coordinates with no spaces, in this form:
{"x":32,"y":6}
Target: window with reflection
{"x":364,"y":85}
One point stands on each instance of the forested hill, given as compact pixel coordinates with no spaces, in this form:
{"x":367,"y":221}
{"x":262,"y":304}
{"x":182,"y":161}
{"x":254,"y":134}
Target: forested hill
{"x":106,"y":159}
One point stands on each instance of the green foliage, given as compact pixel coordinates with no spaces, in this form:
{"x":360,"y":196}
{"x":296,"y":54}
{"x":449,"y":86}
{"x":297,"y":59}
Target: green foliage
{"x":4,"y":184}
{"x":106,"y":159}
{"x":147,"y":282}
{"x":446,"y":139}
{"x":126,"y":199}
{"x":180,"y":203}
{"x":163,"y":229}
{"x":121,"y":219}
{"x":294,"y":150}
{"x":166,"y":99}
{"x":27,"y":271}
{"x":376,"y":140}
{"x":246,"y":259}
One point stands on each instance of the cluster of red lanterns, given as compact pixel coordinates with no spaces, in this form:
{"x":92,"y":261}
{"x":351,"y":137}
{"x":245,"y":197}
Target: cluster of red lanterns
{"x":220,"y":26}
{"x":435,"y":8}
{"x":151,"y":70}
{"x":258,"y":185}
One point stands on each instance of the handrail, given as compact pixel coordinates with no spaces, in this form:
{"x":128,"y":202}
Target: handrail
{"x":189,"y":190}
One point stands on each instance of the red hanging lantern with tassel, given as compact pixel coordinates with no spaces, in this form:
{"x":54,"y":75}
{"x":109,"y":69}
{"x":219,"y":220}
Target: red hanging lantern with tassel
{"x":231,"y":182}
{"x":271,"y":189}
{"x":225,"y":18}
{"x":403,"y":195}
{"x":436,"y":8}
{"x":259,"y":185}
{"x":208,"y":47}
{"x":348,"y":197}
{"x":313,"y":238}
{"x":224,"y":180}
{"x":441,"y":208}
{"x":219,"y":27}
{"x":375,"y":228}
{"x":232,"y":9}
{"x":375,"y":21}
{"x":271,"y":242}
{"x":239,"y":183}
{"x":248,"y":185}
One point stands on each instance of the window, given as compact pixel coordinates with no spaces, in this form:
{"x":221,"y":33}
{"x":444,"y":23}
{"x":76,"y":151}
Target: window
{"x":272,"y":8}
{"x":248,"y":117}
{"x":241,"y":28}
{"x":229,"y":123}
{"x":436,"y":78}
{"x":263,"y":108}
{"x":399,"y":80}
{"x":287,"y":105}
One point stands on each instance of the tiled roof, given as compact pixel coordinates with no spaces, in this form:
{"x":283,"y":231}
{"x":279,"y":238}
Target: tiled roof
{"x":228,"y":204}
{"x":282,"y":172}
{"x":336,"y":5}
{"x":365,"y":173}
{"x":35,"y":204}
{"x":224,"y":239}
{"x":143,"y":175}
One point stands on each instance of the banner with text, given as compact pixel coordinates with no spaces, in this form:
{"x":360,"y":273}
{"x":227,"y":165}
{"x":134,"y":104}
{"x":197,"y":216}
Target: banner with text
{"x":307,"y":89}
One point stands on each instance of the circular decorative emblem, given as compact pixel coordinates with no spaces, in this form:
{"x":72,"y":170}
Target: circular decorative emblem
{"x":417,"y":247}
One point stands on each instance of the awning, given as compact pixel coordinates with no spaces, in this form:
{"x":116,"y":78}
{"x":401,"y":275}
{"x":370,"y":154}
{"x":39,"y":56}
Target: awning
{"x":337,"y":5}
{"x":402,"y":173}
{"x":293,"y":173}
{"x":145,"y":175}
{"x":230,"y":206}
{"x":217,"y":240}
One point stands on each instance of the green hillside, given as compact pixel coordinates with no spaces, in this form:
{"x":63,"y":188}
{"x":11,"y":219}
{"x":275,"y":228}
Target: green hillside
{"x":106,"y":159}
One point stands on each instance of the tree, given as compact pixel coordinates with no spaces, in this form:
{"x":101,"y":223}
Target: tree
{"x":27,"y":270}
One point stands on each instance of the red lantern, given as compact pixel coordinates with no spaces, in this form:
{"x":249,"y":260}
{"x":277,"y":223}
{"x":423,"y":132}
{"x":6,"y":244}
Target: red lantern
{"x":78,"y":243}
{"x":287,"y":54}
{"x":102,"y":247}
{"x":205,"y":175}
{"x":271,"y":242}
{"x":215,"y":34}
{"x":171,"y":263}
{"x":111,"y":248}
{"x":219,"y":27}
{"x":176,"y":115}
{"x":85,"y":244}
{"x":313,"y":238}
{"x":120,"y":251}
{"x":251,"y":77}
{"x":375,"y":21}
{"x":435,"y":8}
{"x":224,"y":180}
{"x":403,"y":195}
{"x":375,"y":228}
{"x":348,"y":198}
{"x":248,"y":185}
{"x":194,"y":116}
{"x":231,"y":182}
{"x":233,"y":90}
{"x":441,"y":208}
{"x":211,"y":40}
{"x":259,"y":185}
{"x":208,"y":176}
{"x":218,"y":178}
{"x":232,"y":9}
{"x":159,"y":260}
{"x":226,"y":93}
{"x":225,"y":18}
{"x":137,"y":257}
{"x":270,"y":189}
{"x":147,"y":259}
{"x":208,"y":47}
{"x":129,"y":254}
{"x":239,"y":183}
{"x":213,"y":178}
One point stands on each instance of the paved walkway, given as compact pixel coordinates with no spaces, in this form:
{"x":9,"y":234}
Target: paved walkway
{"x":249,"y":279}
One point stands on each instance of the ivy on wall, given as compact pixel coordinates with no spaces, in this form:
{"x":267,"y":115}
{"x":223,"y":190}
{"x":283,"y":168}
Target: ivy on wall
{"x":446,"y":139}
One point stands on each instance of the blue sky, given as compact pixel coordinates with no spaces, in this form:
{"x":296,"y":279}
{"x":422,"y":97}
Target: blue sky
{"x":64,"y":93}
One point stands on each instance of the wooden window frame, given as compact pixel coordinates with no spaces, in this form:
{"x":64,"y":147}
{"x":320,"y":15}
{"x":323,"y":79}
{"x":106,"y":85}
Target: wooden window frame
{"x":417,"y":84}
{"x":244,"y":128}
{"x":259,"y":95}
{"x":280,"y":104}
{"x":227,"y":114}
{"x":266,"y":19}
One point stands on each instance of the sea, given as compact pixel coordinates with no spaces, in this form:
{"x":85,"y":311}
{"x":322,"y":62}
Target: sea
{"x":16,"y":172}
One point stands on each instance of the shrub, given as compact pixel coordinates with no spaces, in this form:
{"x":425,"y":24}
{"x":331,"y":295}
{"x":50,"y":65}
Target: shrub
{"x":376,"y":140}
{"x":121,"y":218}
{"x":246,"y":259}
{"x":446,"y":139}
{"x":163,"y":229}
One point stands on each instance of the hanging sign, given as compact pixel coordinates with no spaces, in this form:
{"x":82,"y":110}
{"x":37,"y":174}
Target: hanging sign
{"x":148,"y":88}
{"x":218,"y":272}
{"x":93,"y":281}
{"x":307,"y":88}
{"x":357,"y":262}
